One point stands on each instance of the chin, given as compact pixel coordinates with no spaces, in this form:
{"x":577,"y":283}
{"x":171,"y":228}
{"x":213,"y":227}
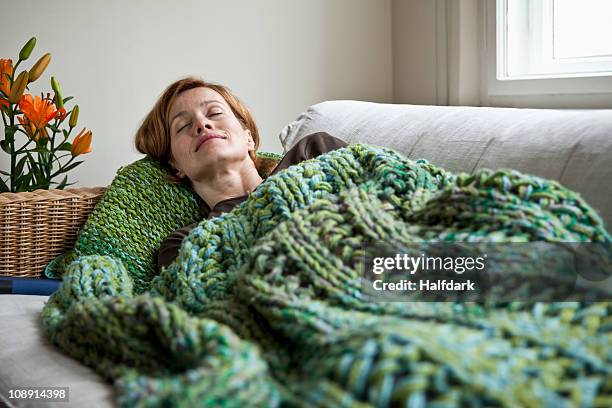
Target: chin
{"x":215,"y":156}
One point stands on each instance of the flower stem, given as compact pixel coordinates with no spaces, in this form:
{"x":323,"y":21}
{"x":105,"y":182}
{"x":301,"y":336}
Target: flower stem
{"x":15,"y":69}
{"x":51,"y":157}
{"x":11,"y":130}
{"x":57,"y":159}
{"x":59,"y":171}
{"x":23,"y":149}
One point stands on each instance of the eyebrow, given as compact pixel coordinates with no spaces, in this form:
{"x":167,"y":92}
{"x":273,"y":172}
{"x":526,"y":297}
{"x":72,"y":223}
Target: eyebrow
{"x":206,"y":102}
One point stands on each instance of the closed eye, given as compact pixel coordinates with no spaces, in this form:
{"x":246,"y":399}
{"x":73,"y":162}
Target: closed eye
{"x":184,"y":126}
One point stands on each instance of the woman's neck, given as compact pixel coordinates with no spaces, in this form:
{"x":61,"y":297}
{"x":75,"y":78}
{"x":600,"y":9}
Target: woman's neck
{"x":235,"y":180}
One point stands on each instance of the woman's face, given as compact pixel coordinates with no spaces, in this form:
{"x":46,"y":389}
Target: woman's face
{"x":205,"y":134}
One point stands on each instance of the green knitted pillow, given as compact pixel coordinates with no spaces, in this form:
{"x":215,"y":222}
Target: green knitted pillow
{"x":137,"y":212}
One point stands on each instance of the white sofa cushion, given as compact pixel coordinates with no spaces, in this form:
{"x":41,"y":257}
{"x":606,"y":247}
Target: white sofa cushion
{"x":28,"y":359}
{"x":571,"y":146}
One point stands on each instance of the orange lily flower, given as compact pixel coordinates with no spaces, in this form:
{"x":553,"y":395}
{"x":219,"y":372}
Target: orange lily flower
{"x":81,"y":143}
{"x":61,"y":113}
{"x":37,"y":110}
{"x":6,"y":67}
{"x":30,"y":129}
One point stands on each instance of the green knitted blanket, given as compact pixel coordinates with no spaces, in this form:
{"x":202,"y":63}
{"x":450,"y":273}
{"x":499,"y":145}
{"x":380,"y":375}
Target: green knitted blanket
{"x":263,"y":306}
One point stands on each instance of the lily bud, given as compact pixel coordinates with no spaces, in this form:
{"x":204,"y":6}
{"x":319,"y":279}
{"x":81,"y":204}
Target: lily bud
{"x":25,"y":52}
{"x":74,"y":116}
{"x":19,"y":86}
{"x":59,"y":101}
{"x":81,"y":143}
{"x":39,"y":67}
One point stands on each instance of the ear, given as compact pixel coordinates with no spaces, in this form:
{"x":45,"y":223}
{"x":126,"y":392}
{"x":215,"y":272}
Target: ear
{"x":250,"y":140}
{"x":179,"y":172}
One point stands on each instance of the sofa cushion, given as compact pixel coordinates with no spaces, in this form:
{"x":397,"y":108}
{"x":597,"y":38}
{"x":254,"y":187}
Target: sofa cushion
{"x":573,"y":147}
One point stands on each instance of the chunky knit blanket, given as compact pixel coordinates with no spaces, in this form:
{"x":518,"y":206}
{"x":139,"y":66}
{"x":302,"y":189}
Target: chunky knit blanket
{"x":263,"y":306}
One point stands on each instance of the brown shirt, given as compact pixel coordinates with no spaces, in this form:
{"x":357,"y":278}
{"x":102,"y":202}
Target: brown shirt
{"x":307,"y":148}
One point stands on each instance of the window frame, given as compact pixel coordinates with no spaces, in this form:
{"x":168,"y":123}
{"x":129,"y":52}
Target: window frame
{"x":499,"y":83}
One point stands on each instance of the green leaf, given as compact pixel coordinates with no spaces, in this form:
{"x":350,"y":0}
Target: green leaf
{"x":6,"y":173}
{"x":9,"y":133}
{"x":3,"y":187}
{"x":40,"y":179}
{"x":40,"y":150}
{"x":5,"y":146}
{"x":19,"y":166}
{"x":61,"y":185}
{"x":23,"y":182}
{"x":38,"y":175}
{"x":67,"y":146}
{"x":65,"y":132}
{"x":44,"y":186}
{"x":72,"y":166}
{"x":36,"y":167}
{"x":66,"y":99}
{"x":53,"y":128}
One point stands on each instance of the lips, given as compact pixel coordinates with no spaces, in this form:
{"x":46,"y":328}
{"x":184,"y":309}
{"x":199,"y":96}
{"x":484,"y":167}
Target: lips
{"x":203,"y":139}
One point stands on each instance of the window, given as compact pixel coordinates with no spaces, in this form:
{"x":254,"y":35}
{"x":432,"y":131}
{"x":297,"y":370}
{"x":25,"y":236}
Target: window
{"x":549,"y":46}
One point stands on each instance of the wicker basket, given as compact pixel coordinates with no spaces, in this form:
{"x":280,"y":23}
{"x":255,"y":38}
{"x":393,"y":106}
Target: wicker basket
{"x":37,"y":226}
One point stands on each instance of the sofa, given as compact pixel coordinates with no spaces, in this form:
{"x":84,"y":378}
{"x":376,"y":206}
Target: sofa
{"x":571,"y":146}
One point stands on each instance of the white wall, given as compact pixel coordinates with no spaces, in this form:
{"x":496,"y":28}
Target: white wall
{"x":279,"y":56}
{"x":436,"y":52}
{"x":415,"y":52}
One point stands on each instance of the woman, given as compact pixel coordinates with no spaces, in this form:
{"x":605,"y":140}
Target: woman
{"x":208,"y":139}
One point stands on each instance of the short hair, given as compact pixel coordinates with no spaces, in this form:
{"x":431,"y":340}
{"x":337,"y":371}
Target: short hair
{"x":153,"y":135}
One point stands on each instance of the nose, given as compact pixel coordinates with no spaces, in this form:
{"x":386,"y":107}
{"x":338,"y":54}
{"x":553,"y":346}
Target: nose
{"x":203,"y":125}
